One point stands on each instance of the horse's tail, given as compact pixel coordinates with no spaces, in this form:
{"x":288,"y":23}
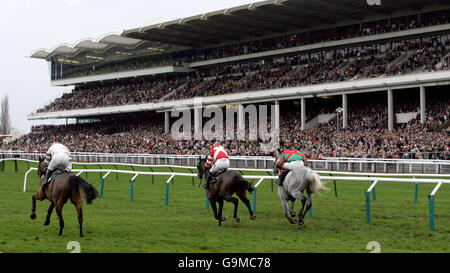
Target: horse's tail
{"x":89,"y":191}
{"x":315,"y":184}
{"x":248,"y":185}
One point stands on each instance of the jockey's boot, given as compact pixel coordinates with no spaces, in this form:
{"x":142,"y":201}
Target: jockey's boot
{"x":47,"y":176}
{"x":282,"y":177}
{"x":208,"y":181}
{"x":213,"y":178}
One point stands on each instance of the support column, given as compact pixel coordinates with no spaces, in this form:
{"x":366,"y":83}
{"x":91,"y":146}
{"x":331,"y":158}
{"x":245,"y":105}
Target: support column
{"x":303,"y":113}
{"x":344,"y":112}
{"x":390,"y":110}
{"x":422,"y":104}
{"x":166,"y":122}
{"x":241,"y":123}
{"x":198,"y":123}
{"x":277,"y":115}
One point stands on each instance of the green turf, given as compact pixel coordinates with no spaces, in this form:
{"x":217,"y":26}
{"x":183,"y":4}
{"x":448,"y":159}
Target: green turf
{"x":114,"y":224}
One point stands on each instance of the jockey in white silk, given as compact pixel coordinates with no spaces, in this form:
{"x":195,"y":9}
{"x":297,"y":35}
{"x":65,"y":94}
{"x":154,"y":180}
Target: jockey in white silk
{"x":57,"y":157}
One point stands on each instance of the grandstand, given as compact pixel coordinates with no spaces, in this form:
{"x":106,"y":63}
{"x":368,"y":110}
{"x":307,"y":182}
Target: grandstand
{"x":387,"y":67}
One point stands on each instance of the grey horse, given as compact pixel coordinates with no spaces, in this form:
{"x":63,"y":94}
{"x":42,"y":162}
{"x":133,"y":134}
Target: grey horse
{"x":294,"y":186}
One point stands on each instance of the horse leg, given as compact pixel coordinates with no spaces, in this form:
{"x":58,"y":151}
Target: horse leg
{"x":79,"y":208}
{"x":302,"y":198}
{"x":212,"y":202}
{"x":308,"y":205}
{"x":235,"y":201}
{"x":301,"y":216}
{"x":77,"y":201}
{"x":61,"y":220}
{"x":59,"y":206}
{"x":220,"y":212}
{"x":49,"y":213}
{"x":38,"y":196}
{"x":33,"y":208}
{"x":244,"y":199}
{"x":291,"y":209}
{"x":284,"y":203}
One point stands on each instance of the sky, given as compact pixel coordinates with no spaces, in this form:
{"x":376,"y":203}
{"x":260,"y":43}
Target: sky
{"x":27,"y":25}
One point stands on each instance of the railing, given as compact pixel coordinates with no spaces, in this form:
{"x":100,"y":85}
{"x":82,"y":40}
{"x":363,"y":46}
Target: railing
{"x":259,"y":162}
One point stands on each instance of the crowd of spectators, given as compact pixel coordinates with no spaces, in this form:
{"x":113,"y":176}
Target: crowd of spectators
{"x":366,"y":135}
{"x":281,"y":42}
{"x":428,"y":54}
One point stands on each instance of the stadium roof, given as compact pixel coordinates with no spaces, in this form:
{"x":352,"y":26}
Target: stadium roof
{"x":261,"y":19}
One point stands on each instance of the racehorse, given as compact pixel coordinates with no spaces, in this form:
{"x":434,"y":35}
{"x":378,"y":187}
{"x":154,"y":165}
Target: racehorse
{"x":294,"y":186}
{"x":63,"y":187}
{"x":227,"y":184}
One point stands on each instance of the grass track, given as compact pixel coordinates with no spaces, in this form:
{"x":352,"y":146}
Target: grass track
{"x":114,"y":224}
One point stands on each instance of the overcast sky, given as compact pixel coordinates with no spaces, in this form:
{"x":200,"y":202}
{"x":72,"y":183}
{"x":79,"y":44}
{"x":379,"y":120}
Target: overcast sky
{"x":27,"y":25}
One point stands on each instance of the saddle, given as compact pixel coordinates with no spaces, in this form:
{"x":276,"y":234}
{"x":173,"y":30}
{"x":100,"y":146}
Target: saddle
{"x":214,"y":177}
{"x":56,"y":173}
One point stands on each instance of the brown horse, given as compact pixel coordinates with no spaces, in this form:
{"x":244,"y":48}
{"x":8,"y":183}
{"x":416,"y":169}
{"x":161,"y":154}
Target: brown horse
{"x":62,"y":188}
{"x":227,"y":184}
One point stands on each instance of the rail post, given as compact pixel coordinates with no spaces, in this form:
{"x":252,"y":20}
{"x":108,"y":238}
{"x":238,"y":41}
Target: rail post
{"x":416,"y":191}
{"x":310,"y":211}
{"x":254,"y":200}
{"x":431,"y":205}
{"x":254,"y":194}
{"x":101,"y":187}
{"x":167,"y":190}
{"x":368,"y":208}
{"x":86,"y":172}
{"x":131,"y":190}
{"x":153,"y":177}
{"x":368,"y":220}
{"x":132,"y":187}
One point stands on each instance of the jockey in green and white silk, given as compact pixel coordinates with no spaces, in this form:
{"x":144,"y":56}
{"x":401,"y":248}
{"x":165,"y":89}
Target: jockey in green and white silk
{"x":289,"y":160}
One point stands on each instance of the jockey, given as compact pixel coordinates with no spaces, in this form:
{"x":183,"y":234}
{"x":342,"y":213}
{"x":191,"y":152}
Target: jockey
{"x":58,"y":156}
{"x":289,"y":161}
{"x":217,"y":160}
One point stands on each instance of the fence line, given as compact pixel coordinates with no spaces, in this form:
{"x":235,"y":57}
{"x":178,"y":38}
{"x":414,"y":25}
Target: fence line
{"x":261,"y":162}
{"x":239,"y":169}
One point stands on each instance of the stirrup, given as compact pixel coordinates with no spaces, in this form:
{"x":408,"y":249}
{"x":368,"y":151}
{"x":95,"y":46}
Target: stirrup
{"x":279,"y":182}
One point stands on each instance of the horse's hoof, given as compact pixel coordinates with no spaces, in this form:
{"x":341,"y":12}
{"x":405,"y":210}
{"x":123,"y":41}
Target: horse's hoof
{"x":81,"y":235}
{"x":292,"y":221}
{"x":223,"y":219}
{"x":33,"y":216}
{"x":253,"y":217}
{"x":238,"y":220}
{"x":47,"y":223}
{"x":301,"y":222}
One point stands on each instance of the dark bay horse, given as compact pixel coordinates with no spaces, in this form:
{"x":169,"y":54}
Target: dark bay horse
{"x":227,"y":184}
{"x":62,"y":188}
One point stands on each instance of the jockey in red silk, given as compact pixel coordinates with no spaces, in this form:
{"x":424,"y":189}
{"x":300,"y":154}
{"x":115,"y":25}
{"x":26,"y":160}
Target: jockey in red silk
{"x":288,"y":161}
{"x":217,"y":160}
